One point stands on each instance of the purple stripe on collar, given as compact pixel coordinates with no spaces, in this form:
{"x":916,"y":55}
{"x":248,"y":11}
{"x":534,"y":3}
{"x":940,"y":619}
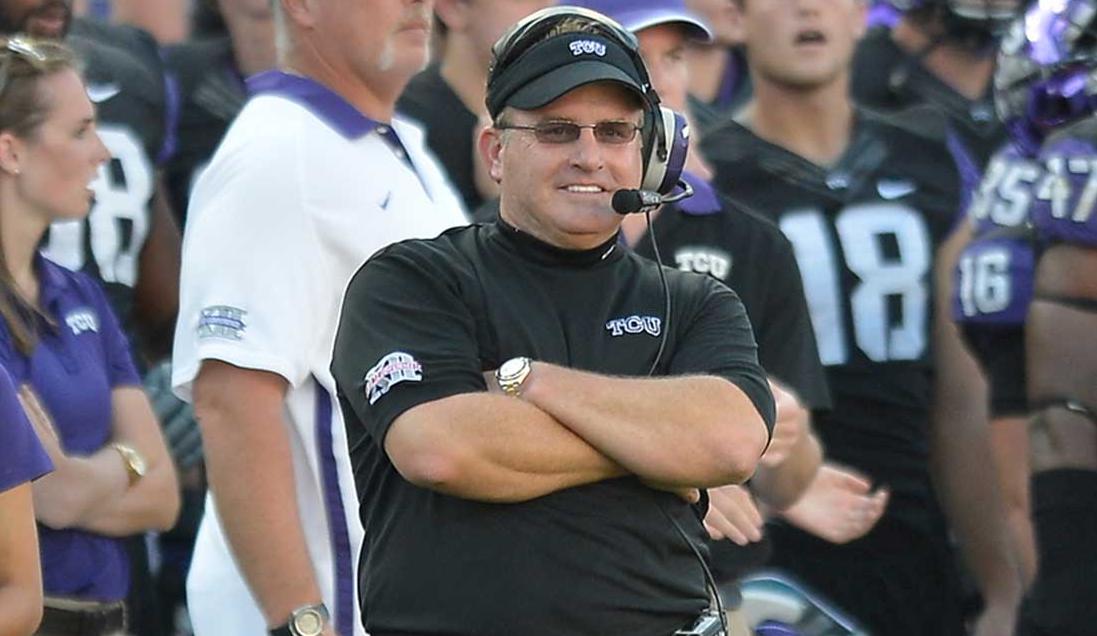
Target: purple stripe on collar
{"x":319,"y":99}
{"x":704,"y":200}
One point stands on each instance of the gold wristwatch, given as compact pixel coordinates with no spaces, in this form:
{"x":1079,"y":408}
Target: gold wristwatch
{"x":511,"y":374}
{"x":136,"y":465}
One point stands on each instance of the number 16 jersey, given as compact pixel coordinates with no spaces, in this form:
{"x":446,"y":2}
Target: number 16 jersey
{"x":864,"y":232}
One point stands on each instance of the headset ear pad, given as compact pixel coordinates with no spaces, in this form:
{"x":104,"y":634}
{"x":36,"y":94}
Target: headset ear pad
{"x":665,"y":151}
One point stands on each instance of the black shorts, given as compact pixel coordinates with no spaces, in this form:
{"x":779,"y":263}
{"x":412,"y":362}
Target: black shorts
{"x":894,"y":581}
{"x":1000,"y":351}
{"x":1063,"y":600}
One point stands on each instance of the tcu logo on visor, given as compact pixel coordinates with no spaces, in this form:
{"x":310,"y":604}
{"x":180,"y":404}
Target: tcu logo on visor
{"x":635,"y":324}
{"x":587,"y":47}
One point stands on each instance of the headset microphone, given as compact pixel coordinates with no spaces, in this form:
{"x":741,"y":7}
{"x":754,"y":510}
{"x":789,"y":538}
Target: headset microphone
{"x":633,"y":201}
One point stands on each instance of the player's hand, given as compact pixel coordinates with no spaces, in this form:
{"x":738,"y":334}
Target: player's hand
{"x":732,"y":514}
{"x":790,"y":426}
{"x":839,"y":505}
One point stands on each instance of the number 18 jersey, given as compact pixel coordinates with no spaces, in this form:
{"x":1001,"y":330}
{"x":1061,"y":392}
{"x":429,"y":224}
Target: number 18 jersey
{"x":864,"y":233}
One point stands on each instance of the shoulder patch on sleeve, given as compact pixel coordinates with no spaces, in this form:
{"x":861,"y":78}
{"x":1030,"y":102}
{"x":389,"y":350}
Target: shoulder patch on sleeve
{"x":390,"y":370}
{"x":222,"y":321}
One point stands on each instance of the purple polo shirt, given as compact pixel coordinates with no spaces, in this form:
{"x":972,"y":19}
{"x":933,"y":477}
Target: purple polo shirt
{"x":22,"y":458}
{"x":73,"y":369}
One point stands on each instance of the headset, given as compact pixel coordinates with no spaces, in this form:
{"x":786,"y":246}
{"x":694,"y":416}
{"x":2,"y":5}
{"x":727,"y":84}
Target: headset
{"x":665,"y":133}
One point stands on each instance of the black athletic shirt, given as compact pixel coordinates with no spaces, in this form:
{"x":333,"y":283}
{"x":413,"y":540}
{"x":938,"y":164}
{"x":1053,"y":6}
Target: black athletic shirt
{"x":865,"y":233}
{"x":211,"y":93}
{"x":421,"y":321}
{"x":709,"y":234}
{"x":429,"y":101}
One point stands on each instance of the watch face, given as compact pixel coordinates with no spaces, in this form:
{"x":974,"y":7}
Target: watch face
{"x":511,"y":367}
{"x":308,"y":623}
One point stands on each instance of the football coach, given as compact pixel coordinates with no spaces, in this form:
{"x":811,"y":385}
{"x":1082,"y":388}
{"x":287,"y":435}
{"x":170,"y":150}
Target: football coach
{"x":531,"y":407}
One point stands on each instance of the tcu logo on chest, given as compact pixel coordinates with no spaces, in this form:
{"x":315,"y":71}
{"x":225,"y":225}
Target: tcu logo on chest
{"x":634,"y":324}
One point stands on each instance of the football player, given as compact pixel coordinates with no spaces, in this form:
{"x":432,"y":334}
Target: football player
{"x":1049,"y":61}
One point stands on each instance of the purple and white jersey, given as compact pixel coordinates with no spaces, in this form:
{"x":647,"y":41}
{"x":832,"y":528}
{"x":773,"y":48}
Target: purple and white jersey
{"x":993,"y":278}
{"x":22,"y":458}
{"x":1067,"y":199}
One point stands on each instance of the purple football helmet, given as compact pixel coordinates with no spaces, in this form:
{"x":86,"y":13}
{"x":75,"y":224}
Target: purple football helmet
{"x":1047,"y":70}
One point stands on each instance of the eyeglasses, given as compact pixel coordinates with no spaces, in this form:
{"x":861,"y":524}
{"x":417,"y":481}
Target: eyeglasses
{"x":612,"y":133}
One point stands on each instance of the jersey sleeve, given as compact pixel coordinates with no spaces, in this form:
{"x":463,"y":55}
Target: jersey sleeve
{"x":254,"y":288}
{"x":718,"y":340}
{"x":406,"y":337}
{"x":786,"y":339}
{"x":22,"y":458}
{"x":118,"y":358}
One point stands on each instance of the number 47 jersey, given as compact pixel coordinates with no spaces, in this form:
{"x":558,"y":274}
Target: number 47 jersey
{"x":864,"y":232}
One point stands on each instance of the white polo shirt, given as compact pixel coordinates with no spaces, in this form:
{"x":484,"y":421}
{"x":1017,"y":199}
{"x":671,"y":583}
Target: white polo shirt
{"x":302,"y":190}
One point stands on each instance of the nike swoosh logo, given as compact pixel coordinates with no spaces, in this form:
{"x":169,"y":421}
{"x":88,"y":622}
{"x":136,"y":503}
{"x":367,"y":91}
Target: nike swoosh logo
{"x":99,"y":93}
{"x":894,"y":188}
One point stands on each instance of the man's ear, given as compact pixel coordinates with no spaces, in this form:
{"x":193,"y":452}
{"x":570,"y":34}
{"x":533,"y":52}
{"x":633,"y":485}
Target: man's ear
{"x":11,"y":149}
{"x":452,"y":13}
{"x":860,"y":17}
{"x":300,"y":12}
{"x":492,"y":150}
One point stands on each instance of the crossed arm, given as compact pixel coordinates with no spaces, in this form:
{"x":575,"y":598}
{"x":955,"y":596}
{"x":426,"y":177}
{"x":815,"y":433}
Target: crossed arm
{"x":571,"y":427}
{"x":93,"y":492}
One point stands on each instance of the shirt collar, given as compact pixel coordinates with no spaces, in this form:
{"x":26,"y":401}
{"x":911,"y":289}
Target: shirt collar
{"x":319,"y":99}
{"x":52,"y":283}
{"x":704,"y":200}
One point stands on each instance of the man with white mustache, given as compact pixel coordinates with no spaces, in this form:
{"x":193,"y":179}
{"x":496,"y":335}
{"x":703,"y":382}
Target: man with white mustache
{"x":313,"y":176}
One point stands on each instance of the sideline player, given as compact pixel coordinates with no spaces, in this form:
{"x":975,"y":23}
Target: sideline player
{"x":1045,"y":70}
{"x":868,"y":205}
{"x":940,"y":52}
{"x":313,"y":176}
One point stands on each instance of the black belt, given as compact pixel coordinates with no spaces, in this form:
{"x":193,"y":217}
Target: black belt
{"x":109,"y":618}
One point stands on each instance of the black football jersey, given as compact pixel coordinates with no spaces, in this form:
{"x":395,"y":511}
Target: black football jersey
{"x":449,"y":126}
{"x":211,"y":93}
{"x":125,"y":81}
{"x":710,"y":234}
{"x":887,"y":78}
{"x":864,"y":232}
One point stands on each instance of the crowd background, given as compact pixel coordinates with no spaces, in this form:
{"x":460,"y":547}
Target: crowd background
{"x":188,"y":60}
